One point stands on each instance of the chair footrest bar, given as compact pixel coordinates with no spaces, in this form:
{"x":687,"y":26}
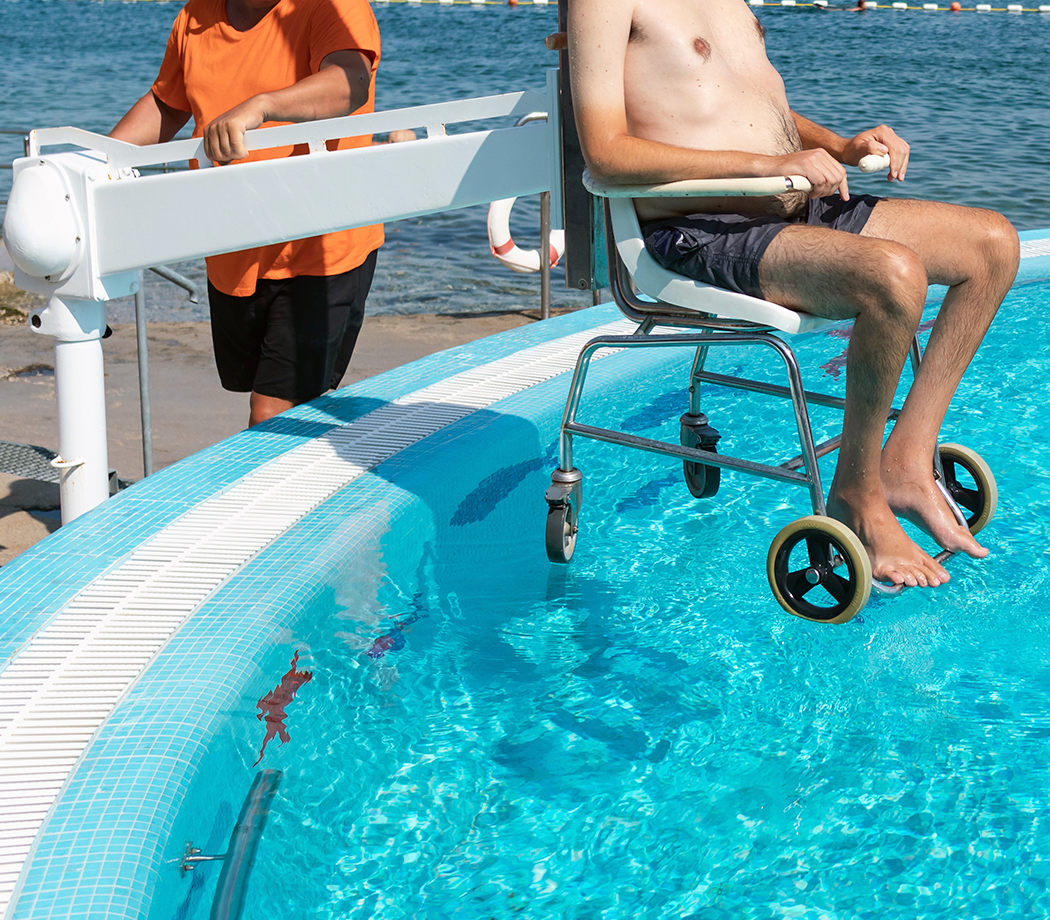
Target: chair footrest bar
{"x":825,"y":447}
{"x":722,"y":461}
{"x":770,"y":389}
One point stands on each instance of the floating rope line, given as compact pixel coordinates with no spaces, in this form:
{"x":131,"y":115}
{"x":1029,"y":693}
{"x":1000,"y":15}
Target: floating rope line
{"x":471,"y":2}
{"x":900,"y":5}
{"x":822,"y":4}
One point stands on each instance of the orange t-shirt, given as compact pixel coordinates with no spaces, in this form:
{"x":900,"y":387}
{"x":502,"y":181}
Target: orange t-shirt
{"x":209,"y":67}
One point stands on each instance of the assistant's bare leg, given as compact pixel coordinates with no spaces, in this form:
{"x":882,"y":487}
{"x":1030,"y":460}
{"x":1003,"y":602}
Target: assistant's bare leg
{"x":883,"y":285}
{"x":266,"y":407}
{"x":975,"y":252}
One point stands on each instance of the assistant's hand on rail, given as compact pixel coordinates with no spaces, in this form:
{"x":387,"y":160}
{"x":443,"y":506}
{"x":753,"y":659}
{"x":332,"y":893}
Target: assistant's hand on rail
{"x":338,"y":88}
{"x":224,"y":137}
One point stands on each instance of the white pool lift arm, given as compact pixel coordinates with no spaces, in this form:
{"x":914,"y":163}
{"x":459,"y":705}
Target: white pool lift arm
{"x":81,"y":225}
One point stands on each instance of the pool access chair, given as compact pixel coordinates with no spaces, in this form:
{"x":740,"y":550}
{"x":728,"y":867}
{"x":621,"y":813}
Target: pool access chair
{"x":816,"y":565}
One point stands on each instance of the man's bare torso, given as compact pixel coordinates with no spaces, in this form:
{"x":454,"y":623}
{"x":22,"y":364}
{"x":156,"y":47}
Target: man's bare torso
{"x":696,"y":75}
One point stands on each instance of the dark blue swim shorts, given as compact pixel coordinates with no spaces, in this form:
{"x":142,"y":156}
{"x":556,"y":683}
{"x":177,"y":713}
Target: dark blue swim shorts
{"x":725,"y":249}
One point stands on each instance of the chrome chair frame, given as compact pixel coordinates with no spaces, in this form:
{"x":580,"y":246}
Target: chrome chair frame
{"x":739,"y":321}
{"x":712,"y":331}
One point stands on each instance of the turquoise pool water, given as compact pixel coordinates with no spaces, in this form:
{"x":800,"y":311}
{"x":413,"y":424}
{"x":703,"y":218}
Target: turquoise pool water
{"x":644,"y":732}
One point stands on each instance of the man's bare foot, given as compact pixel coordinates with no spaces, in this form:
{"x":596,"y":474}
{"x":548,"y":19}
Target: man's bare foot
{"x":894,"y":556}
{"x":917,"y":499}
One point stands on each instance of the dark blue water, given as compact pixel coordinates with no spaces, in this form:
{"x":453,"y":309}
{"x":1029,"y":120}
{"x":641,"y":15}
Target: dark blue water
{"x":971,"y":92}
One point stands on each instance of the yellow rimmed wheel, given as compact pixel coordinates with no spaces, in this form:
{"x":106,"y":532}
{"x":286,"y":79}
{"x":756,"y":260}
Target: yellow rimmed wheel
{"x":818,"y":570}
{"x":970,"y":482}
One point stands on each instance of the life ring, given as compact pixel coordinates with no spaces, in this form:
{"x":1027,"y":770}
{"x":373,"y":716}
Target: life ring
{"x":502,"y":244}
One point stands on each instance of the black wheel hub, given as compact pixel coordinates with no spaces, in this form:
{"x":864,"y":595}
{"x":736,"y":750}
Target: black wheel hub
{"x":823,"y":556}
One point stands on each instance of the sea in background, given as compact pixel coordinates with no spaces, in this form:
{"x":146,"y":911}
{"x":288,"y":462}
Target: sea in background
{"x":969,"y":91}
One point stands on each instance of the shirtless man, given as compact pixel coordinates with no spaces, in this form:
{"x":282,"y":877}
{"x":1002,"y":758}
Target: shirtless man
{"x":682,"y":89}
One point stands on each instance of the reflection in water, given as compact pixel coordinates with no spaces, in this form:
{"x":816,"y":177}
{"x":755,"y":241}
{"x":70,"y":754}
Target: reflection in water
{"x":271,"y":707}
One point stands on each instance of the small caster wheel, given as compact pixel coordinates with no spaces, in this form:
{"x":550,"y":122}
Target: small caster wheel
{"x":701,"y":480}
{"x":818,"y":570}
{"x":970,"y":482}
{"x":561,"y":532}
{"x":564,"y":498}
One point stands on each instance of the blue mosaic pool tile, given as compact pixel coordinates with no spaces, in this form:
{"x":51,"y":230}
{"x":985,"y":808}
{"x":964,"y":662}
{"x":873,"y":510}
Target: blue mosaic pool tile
{"x":210,"y":642}
{"x":203,"y":648}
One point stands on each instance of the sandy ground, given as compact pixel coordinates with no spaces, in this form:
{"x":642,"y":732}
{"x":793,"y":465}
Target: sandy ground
{"x":190,"y":410}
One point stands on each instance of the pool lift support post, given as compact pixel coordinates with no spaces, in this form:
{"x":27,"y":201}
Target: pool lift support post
{"x":579,"y":211}
{"x":81,"y":226}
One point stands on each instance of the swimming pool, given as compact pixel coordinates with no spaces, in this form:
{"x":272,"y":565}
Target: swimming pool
{"x":643,"y":732}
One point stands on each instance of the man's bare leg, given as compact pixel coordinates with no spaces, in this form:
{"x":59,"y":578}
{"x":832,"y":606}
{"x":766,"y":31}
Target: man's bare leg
{"x":883,"y":285}
{"x":976,"y":253}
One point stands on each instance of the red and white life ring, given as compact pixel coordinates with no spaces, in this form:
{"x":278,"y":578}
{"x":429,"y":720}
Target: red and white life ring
{"x":502,"y":244}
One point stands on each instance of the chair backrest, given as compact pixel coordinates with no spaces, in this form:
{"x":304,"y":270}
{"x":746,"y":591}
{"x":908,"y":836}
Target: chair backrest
{"x":668,"y":287}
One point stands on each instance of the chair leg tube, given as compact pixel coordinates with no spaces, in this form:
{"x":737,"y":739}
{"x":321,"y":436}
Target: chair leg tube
{"x":805,"y":431}
{"x":572,"y":404}
{"x":694,"y":386}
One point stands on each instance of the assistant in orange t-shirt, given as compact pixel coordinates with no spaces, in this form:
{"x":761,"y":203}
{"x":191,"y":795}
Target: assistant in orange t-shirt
{"x":209,"y":67}
{"x":285,"y":317}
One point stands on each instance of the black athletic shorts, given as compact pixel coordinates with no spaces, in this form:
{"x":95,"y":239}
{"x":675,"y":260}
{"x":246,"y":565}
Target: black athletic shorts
{"x":292,"y":339}
{"x":725,"y":249}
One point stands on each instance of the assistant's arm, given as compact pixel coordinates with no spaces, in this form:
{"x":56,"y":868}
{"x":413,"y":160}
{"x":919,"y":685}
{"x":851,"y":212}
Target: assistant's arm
{"x":880,"y":140}
{"x":339,"y":87}
{"x":149,"y":121}
{"x":599,"y":31}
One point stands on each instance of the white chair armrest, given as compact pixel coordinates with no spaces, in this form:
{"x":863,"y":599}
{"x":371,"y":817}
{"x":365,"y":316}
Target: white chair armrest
{"x":757,"y":187}
{"x":660,"y":283}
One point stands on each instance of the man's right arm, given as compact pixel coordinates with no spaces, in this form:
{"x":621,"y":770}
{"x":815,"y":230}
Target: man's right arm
{"x":149,"y":121}
{"x":599,"y":32}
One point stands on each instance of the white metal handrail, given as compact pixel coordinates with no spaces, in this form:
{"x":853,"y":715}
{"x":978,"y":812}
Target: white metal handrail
{"x":121,"y":155}
{"x":81,"y":225}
